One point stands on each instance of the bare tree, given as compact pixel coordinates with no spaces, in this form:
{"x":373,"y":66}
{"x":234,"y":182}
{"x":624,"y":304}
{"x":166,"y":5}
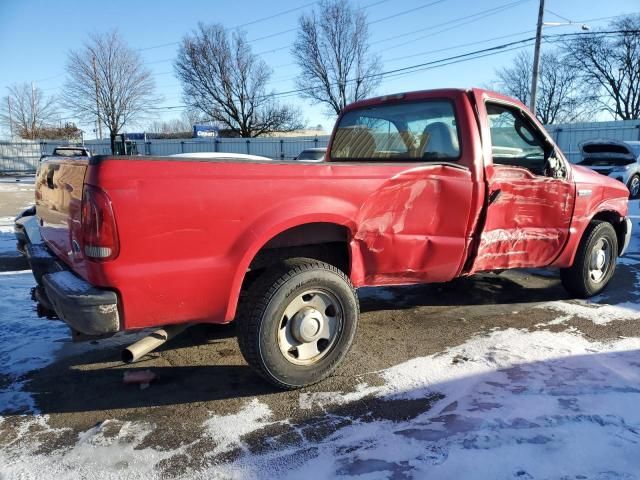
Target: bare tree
{"x":67,"y":131}
{"x":108,"y":83}
{"x":333,"y":54}
{"x":224,"y":80}
{"x":515,"y":80}
{"x":25,"y":110}
{"x":562,"y":96}
{"x":610,"y":64}
{"x":175,"y":125}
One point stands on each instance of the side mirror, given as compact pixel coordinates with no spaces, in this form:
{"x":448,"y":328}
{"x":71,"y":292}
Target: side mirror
{"x":554,"y":166}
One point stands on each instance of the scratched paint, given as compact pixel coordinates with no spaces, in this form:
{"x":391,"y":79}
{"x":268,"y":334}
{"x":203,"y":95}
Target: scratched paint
{"x":528,"y":225}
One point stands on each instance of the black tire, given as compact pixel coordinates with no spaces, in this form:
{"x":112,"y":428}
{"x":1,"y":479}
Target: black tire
{"x":577,"y":279}
{"x":634,"y":184}
{"x":261,"y":318}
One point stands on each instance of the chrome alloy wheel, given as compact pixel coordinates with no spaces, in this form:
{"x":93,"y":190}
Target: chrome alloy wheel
{"x":600,"y":260}
{"x":310,"y":327}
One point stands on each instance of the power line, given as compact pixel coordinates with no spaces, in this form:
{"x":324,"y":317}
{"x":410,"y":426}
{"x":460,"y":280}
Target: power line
{"x":270,"y":17}
{"x":488,"y":11}
{"x":253,"y":22}
{"x":444,"y":61}
{"x":482,"y":14}
{"x":559,"y":16}
{"x":405,"y":12}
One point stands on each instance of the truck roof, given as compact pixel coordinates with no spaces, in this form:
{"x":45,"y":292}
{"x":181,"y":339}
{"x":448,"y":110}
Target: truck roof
{"x":426,"y":94}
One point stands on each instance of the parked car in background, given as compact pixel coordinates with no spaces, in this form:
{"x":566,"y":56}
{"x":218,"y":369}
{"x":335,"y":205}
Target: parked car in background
{"x":616,"y":159}
{"x":312,"y":155}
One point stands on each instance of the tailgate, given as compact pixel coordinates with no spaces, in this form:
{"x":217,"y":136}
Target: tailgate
{"x":59,"y":184}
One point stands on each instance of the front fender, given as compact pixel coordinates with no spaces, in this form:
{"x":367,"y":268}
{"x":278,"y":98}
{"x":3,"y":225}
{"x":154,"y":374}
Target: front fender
{"x":584,"y":213}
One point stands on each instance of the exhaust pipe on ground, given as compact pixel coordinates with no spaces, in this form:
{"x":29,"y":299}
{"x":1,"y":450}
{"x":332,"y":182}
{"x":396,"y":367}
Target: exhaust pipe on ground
{"x":149,"y":343}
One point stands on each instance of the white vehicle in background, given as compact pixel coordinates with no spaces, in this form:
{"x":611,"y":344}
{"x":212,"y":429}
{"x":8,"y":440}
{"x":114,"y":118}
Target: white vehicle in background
{"x":616,"y":159}
{"x":222,"y":156}
{"x":312,"y":155}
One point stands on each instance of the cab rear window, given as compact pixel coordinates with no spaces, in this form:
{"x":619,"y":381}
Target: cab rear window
{"x":411,"y":131}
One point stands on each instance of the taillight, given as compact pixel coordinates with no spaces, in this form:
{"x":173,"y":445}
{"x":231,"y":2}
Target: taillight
{"x":99,"y":234}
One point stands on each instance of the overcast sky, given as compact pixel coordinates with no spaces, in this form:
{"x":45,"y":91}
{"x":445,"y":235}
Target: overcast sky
{"x":35,"y":37}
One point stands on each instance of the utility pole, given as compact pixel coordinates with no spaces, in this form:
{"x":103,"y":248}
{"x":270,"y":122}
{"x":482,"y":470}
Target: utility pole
{"x":10,"y":118}
{"x":536,"y":59}
{"x":95,"y":80}
{"x":33,"y":111}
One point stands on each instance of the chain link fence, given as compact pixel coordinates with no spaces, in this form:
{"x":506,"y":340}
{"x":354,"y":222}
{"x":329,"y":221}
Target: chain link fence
{"x":23,"y":157}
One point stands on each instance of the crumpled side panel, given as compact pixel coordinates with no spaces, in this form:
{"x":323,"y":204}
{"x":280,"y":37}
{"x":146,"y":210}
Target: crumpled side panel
{"x":412,"y":229}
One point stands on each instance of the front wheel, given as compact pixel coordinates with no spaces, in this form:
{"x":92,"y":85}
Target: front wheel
{"x":595,"y":261}
{"x":297,"y":322}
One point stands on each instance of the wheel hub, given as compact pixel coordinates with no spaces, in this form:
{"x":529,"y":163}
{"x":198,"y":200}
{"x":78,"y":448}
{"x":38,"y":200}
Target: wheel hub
{"x":310,"y":326}
{"x":600,"y":260}
{"x":307,"y":325}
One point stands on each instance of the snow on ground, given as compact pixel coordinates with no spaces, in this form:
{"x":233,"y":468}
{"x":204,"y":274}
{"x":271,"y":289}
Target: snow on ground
{"x":509,"y":404}
{"x":27,"y":342}
{"x":23,"y":193}
{"x":595,"y":309}
{"x":516,"y":405}
{"x":7,"y":237}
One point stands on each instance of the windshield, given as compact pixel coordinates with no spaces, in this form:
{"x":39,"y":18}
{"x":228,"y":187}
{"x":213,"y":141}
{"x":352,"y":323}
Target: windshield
{"x":410,"y":131}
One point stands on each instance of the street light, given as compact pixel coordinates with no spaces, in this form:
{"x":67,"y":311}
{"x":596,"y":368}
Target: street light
{"x":536,"y":53}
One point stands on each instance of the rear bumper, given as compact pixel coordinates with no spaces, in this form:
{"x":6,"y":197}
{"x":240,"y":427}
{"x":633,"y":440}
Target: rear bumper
{"x":85,"y":308}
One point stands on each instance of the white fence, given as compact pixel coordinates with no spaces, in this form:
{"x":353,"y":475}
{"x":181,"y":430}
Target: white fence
{"x":23,"y":157}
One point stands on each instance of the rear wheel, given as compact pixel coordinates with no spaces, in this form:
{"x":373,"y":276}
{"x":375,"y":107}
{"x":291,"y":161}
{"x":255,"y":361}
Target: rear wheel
{"x":595,"y":261}
{"x":297,"y":322}
{"x":634,"y":186}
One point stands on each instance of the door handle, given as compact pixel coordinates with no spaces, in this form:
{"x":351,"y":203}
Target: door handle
{"x":494,"y":196}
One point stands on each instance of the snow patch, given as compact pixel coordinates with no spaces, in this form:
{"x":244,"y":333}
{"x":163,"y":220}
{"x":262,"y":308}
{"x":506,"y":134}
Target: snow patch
{"x":516,"y":404}
{"x":228,"y":430}
{"x":110,"y":450}
{"x":598,"y":314}
{"x":28,"y":343}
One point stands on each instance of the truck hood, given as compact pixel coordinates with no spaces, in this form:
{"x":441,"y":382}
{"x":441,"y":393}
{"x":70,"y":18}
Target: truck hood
{"x":610,"y":187}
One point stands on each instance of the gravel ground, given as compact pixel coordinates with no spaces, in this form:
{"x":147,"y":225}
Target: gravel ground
{"x":483,"y":377}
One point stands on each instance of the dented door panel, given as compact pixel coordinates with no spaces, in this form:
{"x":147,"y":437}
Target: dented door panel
{"x":528,"y":223}
{"x":413,"y":228}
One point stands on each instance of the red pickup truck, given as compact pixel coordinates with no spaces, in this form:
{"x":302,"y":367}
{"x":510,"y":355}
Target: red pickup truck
{"x":417,"y":187}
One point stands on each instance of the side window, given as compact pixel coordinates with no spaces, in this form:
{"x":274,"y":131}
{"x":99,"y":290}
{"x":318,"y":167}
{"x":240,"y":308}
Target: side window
{"x":408,"y":131}
{"x":514,"y":141}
